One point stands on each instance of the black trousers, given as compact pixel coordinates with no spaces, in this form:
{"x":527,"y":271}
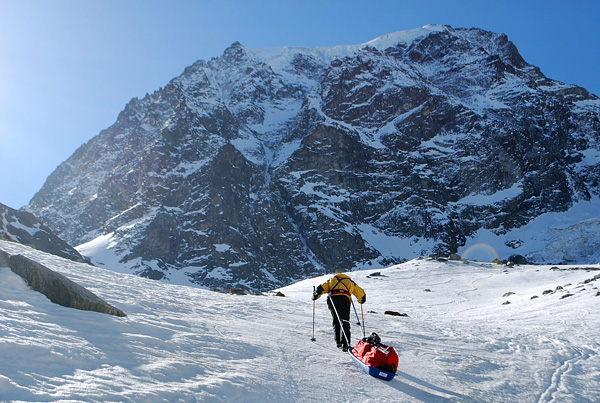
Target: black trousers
{"x":342,"y":307}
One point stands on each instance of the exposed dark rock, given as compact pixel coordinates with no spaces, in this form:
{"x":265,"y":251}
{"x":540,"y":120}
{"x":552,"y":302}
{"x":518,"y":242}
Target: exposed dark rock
{"x":394,"y":313}
{"x":56,"y":287}
{"x":237,"y":291}
{"x":24,"y":228}
{"x":518,"y":259}
{"x":588,"y":269}
{"x":589,"y":280}
{"x":5,"y":237}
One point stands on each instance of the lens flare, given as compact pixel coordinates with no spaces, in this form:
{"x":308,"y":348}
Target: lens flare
{"x":486,"y":254}
{"x":481,"y":252}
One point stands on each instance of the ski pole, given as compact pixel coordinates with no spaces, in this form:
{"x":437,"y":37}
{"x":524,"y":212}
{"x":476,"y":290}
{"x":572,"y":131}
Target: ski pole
{"x":357,"y":319}
{"x":358,"y":323}
{"x":339,"y":320}
{"x":313,"y":337}
{"x":363,"y":319}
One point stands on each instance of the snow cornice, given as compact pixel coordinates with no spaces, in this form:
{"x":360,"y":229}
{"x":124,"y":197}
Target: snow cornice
{"x":280,"y":56}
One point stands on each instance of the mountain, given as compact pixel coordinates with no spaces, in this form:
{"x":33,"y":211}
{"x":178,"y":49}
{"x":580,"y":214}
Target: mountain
{"x":25,"y":228}
{"x":264,"y":166}
{"x":460,"y":342}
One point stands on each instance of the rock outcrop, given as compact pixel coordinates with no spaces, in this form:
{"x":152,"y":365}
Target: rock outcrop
{"x":56,"y":287}
{"x":24,"y":228}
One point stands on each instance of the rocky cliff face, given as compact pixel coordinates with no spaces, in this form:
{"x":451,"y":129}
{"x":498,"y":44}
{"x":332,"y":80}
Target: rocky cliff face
{"x":263,"y":166}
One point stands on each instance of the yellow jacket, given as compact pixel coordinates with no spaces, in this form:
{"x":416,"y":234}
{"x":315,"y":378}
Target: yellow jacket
{"x":340,"y":284}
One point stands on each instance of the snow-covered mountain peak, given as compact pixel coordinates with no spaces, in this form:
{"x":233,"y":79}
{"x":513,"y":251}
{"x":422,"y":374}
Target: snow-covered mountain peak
{"x":235,"y":53}
{"x":262,"y":166}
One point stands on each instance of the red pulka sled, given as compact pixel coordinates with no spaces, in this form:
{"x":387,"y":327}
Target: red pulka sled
{"x":374,"y":358}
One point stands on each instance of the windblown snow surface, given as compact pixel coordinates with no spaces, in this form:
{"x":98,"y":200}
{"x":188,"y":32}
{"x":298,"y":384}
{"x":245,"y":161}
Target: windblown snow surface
{"x":459,"y":343}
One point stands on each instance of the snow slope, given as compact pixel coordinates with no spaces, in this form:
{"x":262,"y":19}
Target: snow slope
{"x":459,"y":342}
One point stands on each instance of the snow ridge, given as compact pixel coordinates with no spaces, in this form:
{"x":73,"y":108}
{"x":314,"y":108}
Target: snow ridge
{"x":280,"y":57}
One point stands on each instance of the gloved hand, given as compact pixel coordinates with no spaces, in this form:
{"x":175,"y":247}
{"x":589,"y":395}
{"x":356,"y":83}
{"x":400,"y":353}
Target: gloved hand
{"x":317,"y":293}
{"x":363,"y":299}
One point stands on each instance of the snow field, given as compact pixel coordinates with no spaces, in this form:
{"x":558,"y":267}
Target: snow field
{"x":459,"y":342}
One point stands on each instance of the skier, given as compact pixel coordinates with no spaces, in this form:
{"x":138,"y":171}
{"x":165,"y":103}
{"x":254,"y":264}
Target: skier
{"x":340,"y":288}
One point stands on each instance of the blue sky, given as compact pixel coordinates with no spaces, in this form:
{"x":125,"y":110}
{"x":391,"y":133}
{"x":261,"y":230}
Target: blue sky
{"x":68,"y":67}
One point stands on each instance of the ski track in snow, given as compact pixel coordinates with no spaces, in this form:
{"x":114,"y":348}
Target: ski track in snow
{"x":558,"y":388}
{"x":459,"y":342}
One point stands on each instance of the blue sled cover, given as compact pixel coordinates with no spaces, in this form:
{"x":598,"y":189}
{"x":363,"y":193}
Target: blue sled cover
{"x":376,"y":372}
